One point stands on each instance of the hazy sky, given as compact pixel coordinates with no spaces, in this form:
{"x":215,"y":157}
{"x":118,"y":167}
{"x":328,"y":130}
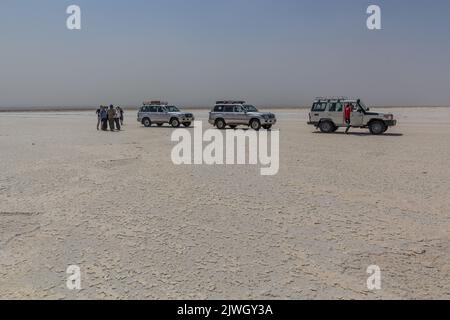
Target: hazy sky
{"x":192,"y":52}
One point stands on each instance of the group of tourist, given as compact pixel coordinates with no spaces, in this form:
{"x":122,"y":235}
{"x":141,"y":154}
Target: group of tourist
{"x":112,"y":116}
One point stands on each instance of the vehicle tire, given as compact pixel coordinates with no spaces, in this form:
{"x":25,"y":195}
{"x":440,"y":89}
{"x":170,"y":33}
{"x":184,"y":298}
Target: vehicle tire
{"x":327,"y":127}
{"x":233,"y":126}
{"x":147,"y":122}
{"x":160,"y":124}
{"x":377,"y":127}
{"x":267,"y":127}
{"x":187,"y":124}
{"x":220,"y":124}
{"x":174,"y":122}
{"x":255,"y":124}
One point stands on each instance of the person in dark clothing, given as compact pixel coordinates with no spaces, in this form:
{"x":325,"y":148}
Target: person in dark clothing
{"x":111,"y":115}
{"x":104,"y":118}
{"x":348,"y":117}
{"x":121,"y":115}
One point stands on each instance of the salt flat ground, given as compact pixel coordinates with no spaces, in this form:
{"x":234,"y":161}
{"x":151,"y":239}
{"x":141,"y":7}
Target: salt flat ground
{"x":140,"y":227}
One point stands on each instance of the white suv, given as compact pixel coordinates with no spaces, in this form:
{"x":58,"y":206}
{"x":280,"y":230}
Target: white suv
{"x":159,"y":113}
{"x":327,"y":114}
{"x":239,"y":113}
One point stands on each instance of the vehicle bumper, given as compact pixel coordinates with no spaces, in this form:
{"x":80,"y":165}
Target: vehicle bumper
{"x":211,"y":122}
{"x":313,"y":123}
{"x":268,"y":122}
{"x":391,"y":123}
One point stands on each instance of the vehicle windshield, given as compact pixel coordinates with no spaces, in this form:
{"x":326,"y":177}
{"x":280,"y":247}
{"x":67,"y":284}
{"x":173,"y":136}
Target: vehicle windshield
{"x":172,"y":109}
{"x":363,"y":106}
{"x":250,"y":108}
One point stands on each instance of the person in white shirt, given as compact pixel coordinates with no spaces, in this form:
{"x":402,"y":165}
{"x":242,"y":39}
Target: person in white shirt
{"x":117,"y":118}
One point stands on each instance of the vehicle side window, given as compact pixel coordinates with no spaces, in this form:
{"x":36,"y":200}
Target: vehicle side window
{"x":238,"y":109}
{"x":229,"y":109}
{"x":335,"y":107}
{"x":153,"y":109}
{"x":161,"y":109}
{"x":320,"y":106}
{"x":218,"y":109}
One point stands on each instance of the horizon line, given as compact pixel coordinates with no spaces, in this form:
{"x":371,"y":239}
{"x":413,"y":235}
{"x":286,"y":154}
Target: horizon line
{"x":199,"y":107}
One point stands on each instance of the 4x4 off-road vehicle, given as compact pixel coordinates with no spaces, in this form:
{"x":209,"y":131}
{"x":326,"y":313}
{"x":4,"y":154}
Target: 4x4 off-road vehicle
{"x":327,"y":114}
{"x":236,"y":113}
{"x":159,"y":113}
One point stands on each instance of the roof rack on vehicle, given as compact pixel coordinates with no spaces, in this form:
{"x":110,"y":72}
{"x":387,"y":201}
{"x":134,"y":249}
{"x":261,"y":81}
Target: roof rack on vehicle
{"x":230,"y":102}
{"x":331,"y":98}
{"x":155,"y":103}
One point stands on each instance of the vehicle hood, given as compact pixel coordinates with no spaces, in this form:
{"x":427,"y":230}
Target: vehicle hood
{"x":261,"y":114}
{"x":374,"y":114}
{"x":188,"y":114}
{"x":380,"y":115}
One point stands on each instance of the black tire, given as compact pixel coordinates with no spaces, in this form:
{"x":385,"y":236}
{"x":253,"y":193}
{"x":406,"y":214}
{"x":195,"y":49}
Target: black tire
{"x":174,"y":122}
{"x":267,"y":126}
{"x":147,"y":122}
{"x":233,"y":126}
{"x":220,"y":124}
{"x":187,"y":124}
{"x":255,"y":124}
{"x":377,"y":127}
{"x":327,"y":127}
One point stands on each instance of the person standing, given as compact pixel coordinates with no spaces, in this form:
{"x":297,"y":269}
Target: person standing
{"x":117,"y":118}
{"x":121,"y":115}
{"x":348,"y":117}
{"x":111,"y":115}
{"x":99,"y":119}
{"x":104,"y":118}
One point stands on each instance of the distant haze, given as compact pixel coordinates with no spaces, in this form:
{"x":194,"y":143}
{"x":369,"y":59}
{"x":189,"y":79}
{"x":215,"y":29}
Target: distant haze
{"x":269,"y":52}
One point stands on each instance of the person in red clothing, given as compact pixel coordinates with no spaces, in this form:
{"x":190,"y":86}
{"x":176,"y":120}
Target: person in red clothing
{"x":348,"y":116}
